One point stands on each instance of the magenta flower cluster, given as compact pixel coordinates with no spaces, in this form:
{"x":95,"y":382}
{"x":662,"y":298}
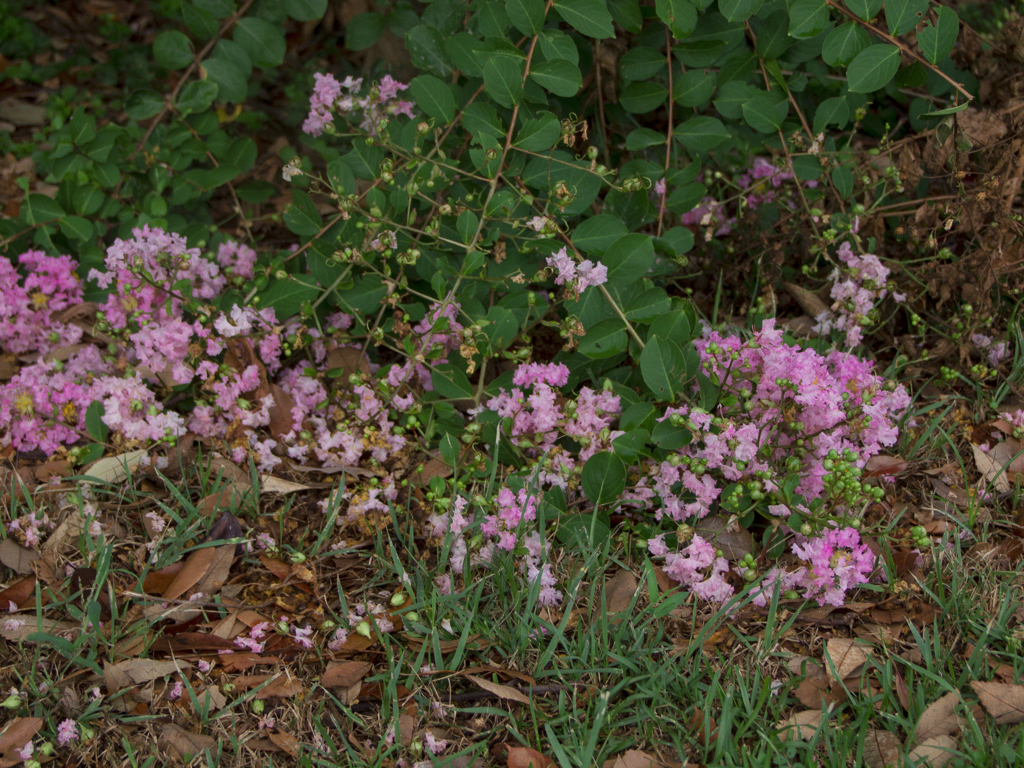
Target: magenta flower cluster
{"x":330,"y":96}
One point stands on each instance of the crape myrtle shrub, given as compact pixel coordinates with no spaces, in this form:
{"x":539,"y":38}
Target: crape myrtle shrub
{"x":490,"y":265}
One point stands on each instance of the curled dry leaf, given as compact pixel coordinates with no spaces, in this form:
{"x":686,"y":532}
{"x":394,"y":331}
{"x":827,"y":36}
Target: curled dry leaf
{"x":14,"y":736}
{"x":1005,"y":703}
{"x":524,"y":757}
{"x":285,"y":742}
{"x":16,"y":557}
{"x":113,"y":469}
{"x":501,"y":691}
{"x":934,"y":752}
{"x":802,"y":725}
{"x":619,"y":591}
{"x":844,"y":656}
{"x":881,"y":748}
{"x":184,"y":743}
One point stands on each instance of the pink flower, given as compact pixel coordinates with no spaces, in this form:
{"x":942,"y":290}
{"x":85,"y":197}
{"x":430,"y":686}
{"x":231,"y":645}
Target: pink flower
{"x":67,"y":732}
{"x":389,"y":88}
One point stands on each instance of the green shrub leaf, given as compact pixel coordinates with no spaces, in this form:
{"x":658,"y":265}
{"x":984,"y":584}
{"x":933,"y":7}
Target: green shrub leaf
{"x":263,"y":41}
{"x":433,"y":97}
{"x":588,"y":17}
{"x":173,"y":50}
{"x":937,"y":41}
{"x":873,"y":68}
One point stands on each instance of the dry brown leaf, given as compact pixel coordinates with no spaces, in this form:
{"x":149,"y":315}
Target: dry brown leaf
{"x":735,"y":542}
{"x":192,"y":571}
{"x":1005,"y":703}
{"x":187,"y":745}
{"x":881,"y":748}
{"x":880,"y":465}
{"x":815,"y":692}
{"x":140,"y":671}
{"x":997,"y":466}
{"x":272,"y":484}
{"x":211,"y":698}
{"x":18,"y":593}
{"x":634,"y":758}
{"x":16,"y":557}
{"x":281,"y":685}
{"x":524,"y":757}
{"x":349,"y":359}
{"x":934,"y":752}
{"x":939,"y":719}
{"x":619,"y":591}
{"x":31,"y":624}
{"x":809,"y":302}
{"x":15,"y":735}
{"x":501,"y":691}
{"x":844,"y":656}
{"x":802,"y":725}
{"x":113,"y":469}
{"x":228,"y":497}
{"x":345,"y":674}
{"x":407,"y":725}
{"x":285,"y":742}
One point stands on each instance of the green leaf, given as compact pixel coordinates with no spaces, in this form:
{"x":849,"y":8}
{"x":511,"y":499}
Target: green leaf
{"x":831,"y":111}
{"x":305,"y":10}
{"x":466,"y":225}
{"x":364,"y":30}
{"x":77,"y":228}
{"x":588,"y":17}
{"x":451,"y":382}
{"x":701,"y":133}
{"x":865,"y":9}
{"x":647,"y":306}
{"x":232,"y":84}
{"x":679,"y":16}
{"x":677,"y":326}
{"x":287,"y":296}
{"x":450,"y":449}
{"x":558,"y":45}
{"x":433,"y":97}
{"x":643,"y":97}
{"x":903,"y":15}
{"x":426,"y":49}
{"x":738,"y":10}
{"x":807,"y":18}
{"x":197,"y":97}
{"x":663,"y":368}
{"x":640,"y":138}
{"x":765,"y":114}
{"x":263,"y":41}
{"x":594,"y":235}
{"x":669,"y":437}
{"x":629,"y":258}
{"x":842,"y":178}
{"x":945,"y":112}
{"x":94,"y":425}
{"x":539,"y":134}
{"x":559,"y":76}
{"x":843,"y":43}
{"x":732,"y":96}
{"x":143,"y":104}
{"x":603,"y":478}
{"x":219,"y":9}
{"x":605,"y":339}
{"x":87,"y":199}
{"x":302,"y":217}
{"x":172,"y":50}
{"x":631,"y":444}
{"x":773,"y":38}
{"x":503,"y":80}
{"x":693,"y":88}
{"x":39,"y":209}
{"x":937,"y":41}
{"x":641,"y":63}
{"x":627,"y":14}
{"x":526,"y":15}
{"x":873,"y":68}
{"x":200,"y":23}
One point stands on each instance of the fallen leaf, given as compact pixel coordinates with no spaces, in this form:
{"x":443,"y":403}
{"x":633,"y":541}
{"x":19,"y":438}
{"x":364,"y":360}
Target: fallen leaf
{"x":18,"y":593}
{"x":407,"y":725}
{"x":844,"y":656}
{"x":16,"y":557}
{"x":809,"y":302}
{"x":734,"y":541}
{"x":113,"y":469}
{"x":15,"y":735}
{"x":939,"y":719}
{"x":881,"y":748}
{"x":272,"y":484}
{"x":22,"y":113}
{"x":345,"y":674}
{"x":31,"y":624}
{"x":880,"y":465}
{"x":1005,"y":703}
{"x":186,"y":744}
{"x":802,"y":725}
{"x":281,"y":685}
{"x":285,"y":742}
{"x":619,"y":591}
{"x":524,"y":757}
{"x":501,"y":691}
{"x":634,"y":758}
{"x":192,"y":571}
{"x":934,"y":752}
{"x":815,"y":692}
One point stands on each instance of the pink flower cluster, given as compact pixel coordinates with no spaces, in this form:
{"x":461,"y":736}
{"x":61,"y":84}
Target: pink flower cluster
{"x":26,"y":305}
{"x":577,"y":277}
{"x":857,"y":287}
{"x":329,"y":96}
{"x":995,"y":351}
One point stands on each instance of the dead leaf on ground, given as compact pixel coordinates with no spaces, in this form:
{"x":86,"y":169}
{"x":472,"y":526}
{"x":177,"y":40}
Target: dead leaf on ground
{"x":345,"y":674}
{"x":939,"y":719}
{"x":281,"y":685}
{"x":113,"y":469}
{"x":524,"y":757}
{"x":1004,"y":702}
{"x":846,"y":656}
{"x":815,"y":692}
{"x":881,"y":748}
{"x":501,"y":691}
{"x":15,"y":735}
{"x":734,"y":541}
{"x":619,"y":591}
{"x":31,"y":624}
{"x":934,"y":752}
{"x":285,"y":742}
{"x":802,"y":725}
{"x":16,"y":557}
{"x":18,"y":593}
{"x":140,"y":671}
{"x":187,"y":745}
{"x":1001,"y":465}
{"x":633,"y":758}
{"x":884,"y":466}
{"x":195,"y":569}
